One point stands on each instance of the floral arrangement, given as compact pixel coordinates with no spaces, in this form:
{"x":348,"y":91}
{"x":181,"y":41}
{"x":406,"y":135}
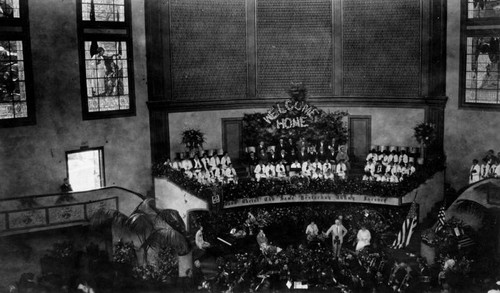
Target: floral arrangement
{"x":250,"y":271}
{"x":425,"y":133}
{"x":62,"y":250}
{"x":124,"y":253}
{"x":193,"y":138}
{"x":166,"y":267}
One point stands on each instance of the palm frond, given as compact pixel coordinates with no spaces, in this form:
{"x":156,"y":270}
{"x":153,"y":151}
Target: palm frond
{"x":173,"y":218}
{"x":166,"y":235}
{"x":107,"y":216}
{"x":140,"y":222}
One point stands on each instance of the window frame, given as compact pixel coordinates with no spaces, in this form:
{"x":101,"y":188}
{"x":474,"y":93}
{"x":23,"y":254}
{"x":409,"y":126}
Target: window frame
{"x":102,"y":31}
{"x":474,"y":28}
{"x":18,"y":29}
{"x":102,"y":165}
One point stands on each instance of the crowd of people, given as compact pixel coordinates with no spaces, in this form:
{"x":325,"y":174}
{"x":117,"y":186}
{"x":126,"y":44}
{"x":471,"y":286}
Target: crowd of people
{"x":207,"y":169}
{"x":489,"y":168}
{"x":388,"y":166}
{"x":319,"y":160}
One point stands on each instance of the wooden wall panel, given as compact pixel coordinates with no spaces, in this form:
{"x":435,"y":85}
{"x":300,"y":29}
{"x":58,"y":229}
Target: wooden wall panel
{"x":294,"y":44}
{"x":208,"y":49}
{"x":382,"y":47}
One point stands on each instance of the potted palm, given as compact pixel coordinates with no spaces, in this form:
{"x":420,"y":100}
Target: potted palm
{"x":425,"y":134}
{"x":193,"y":139}
{"x":153,"y":228}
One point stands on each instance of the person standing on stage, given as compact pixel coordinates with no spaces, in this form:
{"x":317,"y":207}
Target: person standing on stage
{"x":338,"y":232}
{"x":363,"y":237}
{"x":312,"y":231}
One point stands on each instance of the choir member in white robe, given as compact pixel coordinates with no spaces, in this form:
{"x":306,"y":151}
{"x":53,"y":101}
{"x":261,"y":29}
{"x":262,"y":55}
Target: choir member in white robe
{"x":225,"y":161}
{"x":280,"y":169}
{"x":260,"y":171}
{"x":474,"y":172}
{"x":341,"y":169}
{"x":230,"y":174}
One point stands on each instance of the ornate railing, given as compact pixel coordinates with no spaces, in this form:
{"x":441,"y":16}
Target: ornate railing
{"x":13,"y":221}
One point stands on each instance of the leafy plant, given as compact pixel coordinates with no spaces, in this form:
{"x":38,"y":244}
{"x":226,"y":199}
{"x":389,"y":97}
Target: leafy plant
{"x":193,"y":138}
{"x":153,"y":227}
{"x":425,"y":133}
{"x":124,"y":253}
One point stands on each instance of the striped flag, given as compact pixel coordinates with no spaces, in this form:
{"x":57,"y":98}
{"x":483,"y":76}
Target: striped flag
{"x":465,"y":241}
{"x":441,"y":219}
{"x":407,"y":228}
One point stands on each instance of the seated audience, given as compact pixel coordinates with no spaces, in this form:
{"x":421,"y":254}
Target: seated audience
{"x":252,"y":162}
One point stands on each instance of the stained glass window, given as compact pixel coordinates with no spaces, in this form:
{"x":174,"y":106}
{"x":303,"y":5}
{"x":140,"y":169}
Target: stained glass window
{"x":106,"y":70}
{"x":103,"y":10}
{"x":9,"y":9}
{"x":480,"y":9}
{"x":16,"y":92}
{"x":13,"y":102}
{"x":107,"y":76}
{"x":480,"y":53}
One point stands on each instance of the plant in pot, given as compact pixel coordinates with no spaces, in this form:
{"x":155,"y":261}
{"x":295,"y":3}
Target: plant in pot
{"x":425,"y":134}
{"x":193,"y":139}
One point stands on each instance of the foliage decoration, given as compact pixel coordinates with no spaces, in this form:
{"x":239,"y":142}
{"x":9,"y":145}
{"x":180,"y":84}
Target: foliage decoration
{"x":425,"y":133}
{"x":193,"y":138}
{"x":316,"y":124}
{"x":153,"y":227}
{"x":124,"y":253}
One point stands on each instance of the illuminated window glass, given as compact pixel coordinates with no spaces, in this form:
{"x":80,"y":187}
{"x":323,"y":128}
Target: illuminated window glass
{"x":480,"y":9}
{"x":106,"y":59}
{"x":103,"y":10}
{"x":17,"y":105}
{"x":13,"y":102}
{"x":482,"y":70}
{"x":107,"y":76}
{"x":9,"y":9}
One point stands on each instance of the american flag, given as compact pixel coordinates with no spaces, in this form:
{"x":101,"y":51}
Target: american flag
{"x":407,"y":228}
{"x":441,"y":219}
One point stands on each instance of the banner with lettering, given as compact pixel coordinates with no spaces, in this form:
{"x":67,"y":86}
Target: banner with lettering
{"x":294,"y":118}
{"x":317,"y":197}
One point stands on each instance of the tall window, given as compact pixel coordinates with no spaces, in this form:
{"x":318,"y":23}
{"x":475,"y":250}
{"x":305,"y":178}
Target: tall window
{"x":106,"y":58}
{"x":16,"y":95}
{"x":480,"y":68}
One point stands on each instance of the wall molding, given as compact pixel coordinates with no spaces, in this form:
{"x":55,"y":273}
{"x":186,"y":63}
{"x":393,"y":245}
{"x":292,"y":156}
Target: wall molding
{"x":372,"y":102}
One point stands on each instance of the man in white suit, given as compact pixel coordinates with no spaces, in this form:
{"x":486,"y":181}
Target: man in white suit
{"x":338,"y":232}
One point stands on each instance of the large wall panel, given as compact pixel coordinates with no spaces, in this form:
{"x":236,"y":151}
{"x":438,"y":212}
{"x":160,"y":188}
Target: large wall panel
{"x":382,"y":47}
{"x":294,"y":44}
{"x":208,"y":47}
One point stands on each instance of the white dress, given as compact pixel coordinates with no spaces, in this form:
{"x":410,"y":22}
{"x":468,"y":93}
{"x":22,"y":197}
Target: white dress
{"x":364,"y":238}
